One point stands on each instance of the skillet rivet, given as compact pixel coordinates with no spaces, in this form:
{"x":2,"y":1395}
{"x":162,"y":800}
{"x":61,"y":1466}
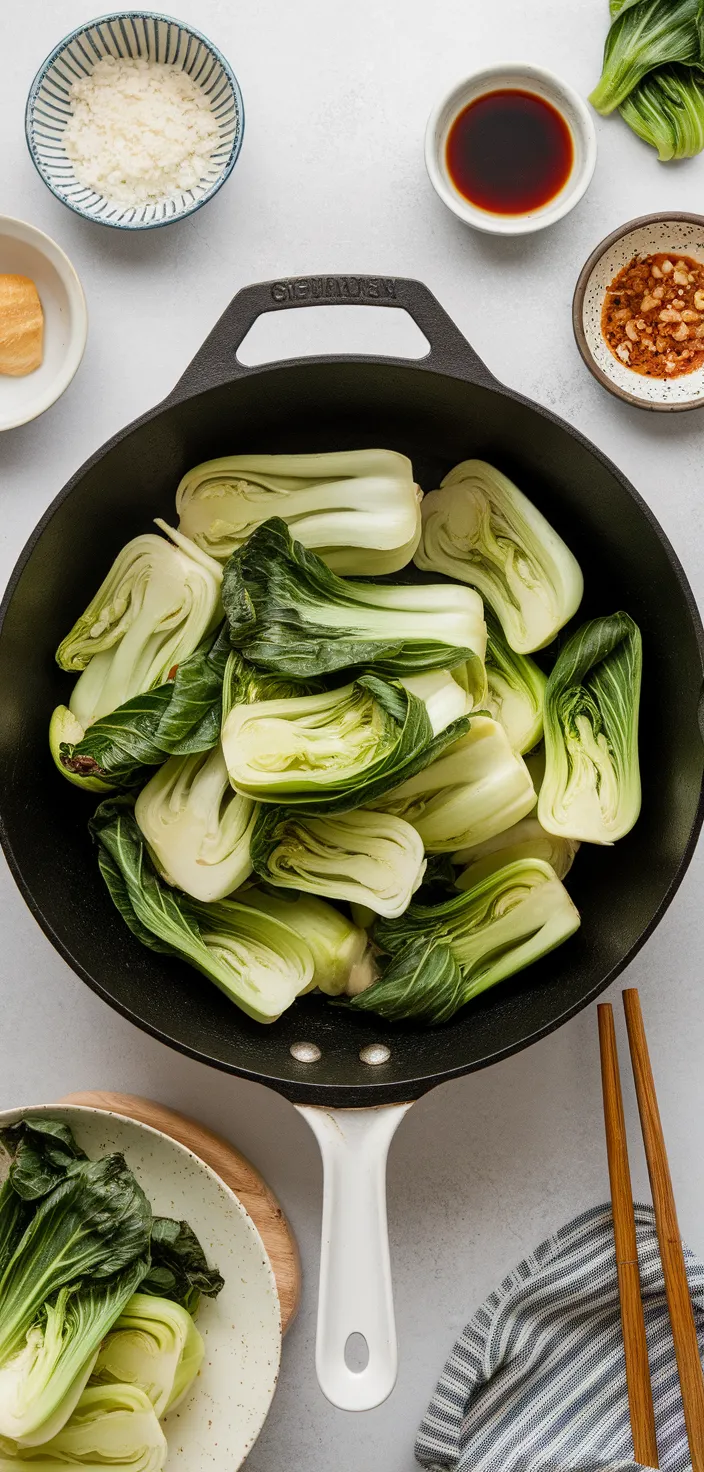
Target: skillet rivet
{"x":305,"y":1052}
{"x":375,"y":1053}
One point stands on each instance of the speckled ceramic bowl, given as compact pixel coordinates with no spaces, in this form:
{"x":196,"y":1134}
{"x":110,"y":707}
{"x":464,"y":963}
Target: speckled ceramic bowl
{"x":131,"y":33}
{"x":215,"y":1427}
{"x":648,"y":235}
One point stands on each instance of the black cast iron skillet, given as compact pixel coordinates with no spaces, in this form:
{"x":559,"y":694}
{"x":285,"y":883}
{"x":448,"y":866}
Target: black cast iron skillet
{"x":442,"y":409}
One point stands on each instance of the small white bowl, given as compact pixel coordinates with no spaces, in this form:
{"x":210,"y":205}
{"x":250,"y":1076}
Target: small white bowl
{"x":26,"y":251}
{"x":681,"y":234}
{"x":518,"y":77}
{"x":215,"y":1427}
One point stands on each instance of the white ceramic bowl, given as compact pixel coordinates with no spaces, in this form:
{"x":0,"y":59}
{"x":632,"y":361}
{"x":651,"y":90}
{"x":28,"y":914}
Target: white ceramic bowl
{"x":26,"y":251}
{"x":155,"y":37}
{"x":215,"y":1427}
{"x":648,"y":235}
{"x":523,"y":78}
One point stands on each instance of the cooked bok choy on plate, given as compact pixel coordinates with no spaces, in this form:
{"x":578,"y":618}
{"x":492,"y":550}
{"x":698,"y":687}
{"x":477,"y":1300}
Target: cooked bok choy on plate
{"x":314,"y":782}
{"x":97,"y":1339}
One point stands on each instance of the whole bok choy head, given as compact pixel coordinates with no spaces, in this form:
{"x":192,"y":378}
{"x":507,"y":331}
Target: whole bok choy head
{"x":258,"y":962}
{"x":112,"y":1426}
{"x":367,"y":858}
{"x":358,"y":509}
{"x":161,"y":596}
{"x":197,"y":829}
{"x":155,"y":1346}
{"x":645,"y":34}
{"x":479,"y":528}
{"x":342,"y":749}
{"x":290,"y":614}
{"x":475,"y":789}
{"x":82,"y":1254}
{"x":343,"y":958}
{"x":515,"y":689}
{"x":591,"y":787}
{"x":444,"y":955}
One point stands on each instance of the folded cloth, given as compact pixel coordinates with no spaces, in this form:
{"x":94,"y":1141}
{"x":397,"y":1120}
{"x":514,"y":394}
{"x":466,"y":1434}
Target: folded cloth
{"x":537,"y":1380}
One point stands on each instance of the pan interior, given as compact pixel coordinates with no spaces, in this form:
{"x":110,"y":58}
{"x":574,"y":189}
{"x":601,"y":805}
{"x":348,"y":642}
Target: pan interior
{"x":437,"y":421}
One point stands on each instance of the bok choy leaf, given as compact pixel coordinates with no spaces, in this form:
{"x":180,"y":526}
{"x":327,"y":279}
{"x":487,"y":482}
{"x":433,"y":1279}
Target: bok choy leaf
{"x":666,"y":109}
{"x":473,"y":790}
{"x":112,"y":1426}
{"x":479,"y":528}
{"x":290,"y":614}
{"x":591,"y":787}
{"x":368,"y":858}
{"x":160,"y":598}
{"x":81,"y":1257}
{"x":358,"y":509}
{"x":643,"y":35}
{"x":179,"y":1268}
{"x":342,"y":749}
{"x":259,"y":963}
{"x":445,"y":955}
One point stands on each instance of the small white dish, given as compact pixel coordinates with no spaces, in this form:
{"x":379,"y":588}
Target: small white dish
{"x":520,"y":77}
{"x":26,"y":251}
{"x":215,"y":1427}
{"x":648,"y":235}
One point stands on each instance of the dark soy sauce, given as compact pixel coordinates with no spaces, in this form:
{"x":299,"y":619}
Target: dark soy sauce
{"x":509,"y":152}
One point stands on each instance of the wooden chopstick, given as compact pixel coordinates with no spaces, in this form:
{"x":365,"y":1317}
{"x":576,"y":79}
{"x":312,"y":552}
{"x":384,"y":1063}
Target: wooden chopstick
{"x":640,"y":1395}
{"x":679,"y":1303}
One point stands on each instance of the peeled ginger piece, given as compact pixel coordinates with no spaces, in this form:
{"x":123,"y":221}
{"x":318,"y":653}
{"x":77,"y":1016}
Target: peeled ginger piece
{"x":21,"y":326}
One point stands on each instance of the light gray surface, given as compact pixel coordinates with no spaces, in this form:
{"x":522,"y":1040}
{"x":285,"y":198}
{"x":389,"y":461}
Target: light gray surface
{"x":331,"y":178}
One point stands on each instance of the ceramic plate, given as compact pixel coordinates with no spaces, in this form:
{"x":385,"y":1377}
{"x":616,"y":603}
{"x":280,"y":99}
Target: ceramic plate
{"x":216,"y":1426}
{"x":678,"y":234}
{"x":26,"y":251}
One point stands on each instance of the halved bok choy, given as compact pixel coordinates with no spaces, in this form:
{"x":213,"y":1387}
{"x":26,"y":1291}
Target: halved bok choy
{"x":444,"y":955}
{"x":342,"y":749}
{"x":258,"y":962}
{"x":155,"y":1346}
{"x":476,"y":788}
{"x":591,"y":788}
{"x":526,"y":839}
{"x":367,"y":858}
{"x":112,"y":1426}
{"x":358,"y":509}
{"x":343,"y":958}
{"x":159,"y":599}
{"x":480,"y":529}
{"x":515,"y":689}
{"x":290,"y":614}
{"x":197,"y":828}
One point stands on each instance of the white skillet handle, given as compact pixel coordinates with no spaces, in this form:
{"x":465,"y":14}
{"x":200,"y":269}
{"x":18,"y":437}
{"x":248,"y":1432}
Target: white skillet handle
{"x":355,"y":1270}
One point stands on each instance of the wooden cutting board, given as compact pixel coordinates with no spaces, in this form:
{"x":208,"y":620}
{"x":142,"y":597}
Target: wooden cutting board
{"x":234,"y":1169}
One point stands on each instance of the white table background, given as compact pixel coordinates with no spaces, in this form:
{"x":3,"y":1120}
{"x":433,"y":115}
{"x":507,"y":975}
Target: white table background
{"x":331,"y":179}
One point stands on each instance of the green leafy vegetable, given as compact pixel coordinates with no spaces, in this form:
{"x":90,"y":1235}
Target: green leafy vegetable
{"x":358,"y":509}
{"x":666,"y":109}
{"x":645,"y":34}
{"x":154,"y":1346}
{"x":367,"y":858}
{"x":258,"y":962}
{"x":42,"y":1152}
{"x":152,"y":610}
{"x":342,"y":749}
{"x":112,"y":1426}
{"x":445,"y":955}
{"x":591,"y":788}
{"x":81,"y":1257}
{"x":243,"y":684}
{"x":197,"y":829}
{"x":342,"y":956}
{"x":478,"y":527}
{"x":516,"y":689}
{"x":524,"y":840}
{"x":180,"y":717}
{"x":290,"y":614}
{"x":179,"y":1268}
{"x":475,"y":789}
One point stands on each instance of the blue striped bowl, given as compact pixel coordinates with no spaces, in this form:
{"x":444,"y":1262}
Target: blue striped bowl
{"x":130,"y":33}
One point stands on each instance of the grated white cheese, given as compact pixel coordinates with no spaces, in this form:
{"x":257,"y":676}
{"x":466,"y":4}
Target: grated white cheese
{"x":140,"y":130}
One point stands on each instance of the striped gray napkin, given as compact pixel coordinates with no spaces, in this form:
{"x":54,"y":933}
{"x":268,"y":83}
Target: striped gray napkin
{"x":537,"y":1380}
